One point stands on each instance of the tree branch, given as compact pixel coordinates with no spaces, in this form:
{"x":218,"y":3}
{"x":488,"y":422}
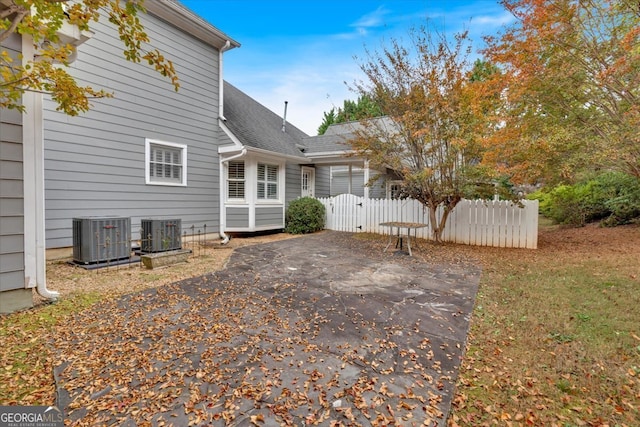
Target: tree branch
{"x":20,"y":12}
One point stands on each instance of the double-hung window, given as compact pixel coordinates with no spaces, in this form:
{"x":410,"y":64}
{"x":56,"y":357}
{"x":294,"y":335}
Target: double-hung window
{"x":235,"y":180}
{"x":394,"y":189}
{"x":166,"y":163}
{"x":267,"y":182}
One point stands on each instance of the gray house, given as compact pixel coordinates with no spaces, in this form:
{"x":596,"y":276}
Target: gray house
{"x":149,"y":151}
{"x":262,"y":164}
{"x":207,"y":154}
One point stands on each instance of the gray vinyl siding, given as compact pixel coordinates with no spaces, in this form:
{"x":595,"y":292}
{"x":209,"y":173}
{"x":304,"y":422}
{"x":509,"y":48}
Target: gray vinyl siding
{"x":237,"y":217}
{"x":269,"y":216}
{"x":293,"y":184}
{"x":378,"y":191}
{"x":340,"y":183}
{"x":323,"y":181}
{"x":11,"y":191}
{"x":95,"y":162}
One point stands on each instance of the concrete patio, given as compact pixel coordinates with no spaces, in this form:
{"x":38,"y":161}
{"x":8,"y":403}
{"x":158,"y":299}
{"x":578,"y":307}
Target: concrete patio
{"x":325,"y":329}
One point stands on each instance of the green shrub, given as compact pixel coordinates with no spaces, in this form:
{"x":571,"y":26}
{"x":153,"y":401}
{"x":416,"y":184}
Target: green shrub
{"x":624,"y":205}
{"x":565,"y":207}
{"x":612,"y":198}
{"x":304,"y":215}
{"x":543,"y":199}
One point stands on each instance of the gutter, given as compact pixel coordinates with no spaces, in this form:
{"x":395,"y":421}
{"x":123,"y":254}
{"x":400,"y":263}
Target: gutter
{"x":223,"y":216}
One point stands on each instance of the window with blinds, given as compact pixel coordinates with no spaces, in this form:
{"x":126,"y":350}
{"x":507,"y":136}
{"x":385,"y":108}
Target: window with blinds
{"x":166,"y":163}
{"x":235,"y":180}
{"x":267,"y":181}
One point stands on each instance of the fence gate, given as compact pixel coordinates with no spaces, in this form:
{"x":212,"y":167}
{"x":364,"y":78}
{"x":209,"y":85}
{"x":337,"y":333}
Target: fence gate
{"x":345,"y":213}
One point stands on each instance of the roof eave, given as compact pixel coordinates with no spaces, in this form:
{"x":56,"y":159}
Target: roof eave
{"x":183,"y":18}
{"x":334,"y":157}
{"x":226,"y":149}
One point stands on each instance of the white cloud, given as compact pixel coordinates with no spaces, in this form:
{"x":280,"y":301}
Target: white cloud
{"x":371,"y":20}
{"x":490,"y":22}
{"x":310,"y":90}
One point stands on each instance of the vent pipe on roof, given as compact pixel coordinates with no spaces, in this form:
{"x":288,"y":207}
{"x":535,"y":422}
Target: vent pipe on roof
{"x":284,"y":118}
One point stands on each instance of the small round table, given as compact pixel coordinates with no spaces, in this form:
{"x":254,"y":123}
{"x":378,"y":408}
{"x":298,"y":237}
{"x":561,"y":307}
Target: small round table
{"x":399,"y":235}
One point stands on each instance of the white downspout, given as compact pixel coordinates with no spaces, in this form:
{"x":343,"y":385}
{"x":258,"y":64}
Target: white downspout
{"x":223,"y":192}
{"x":34,"y":211}
{"x":223,"y":216}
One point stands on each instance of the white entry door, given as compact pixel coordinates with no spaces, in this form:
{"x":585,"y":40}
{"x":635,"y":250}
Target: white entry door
{"x":308,"y":182}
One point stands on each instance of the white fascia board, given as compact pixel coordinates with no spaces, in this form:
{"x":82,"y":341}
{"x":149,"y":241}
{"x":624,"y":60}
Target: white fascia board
{"x":335,"y":158}
{"x":275,"y":155}
{"x":183,"y":18}
{"x":324,"y":154}
{"x":229,"y":149}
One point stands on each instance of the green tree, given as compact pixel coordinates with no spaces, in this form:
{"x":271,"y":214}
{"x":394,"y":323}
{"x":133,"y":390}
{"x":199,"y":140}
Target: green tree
{"x":433,"y":125}
{"x":483,"y":70}
{"x":41,"y":20}
{"x":328,"y":119}
{"x":571,"y":89}
{"x":364,"y":107}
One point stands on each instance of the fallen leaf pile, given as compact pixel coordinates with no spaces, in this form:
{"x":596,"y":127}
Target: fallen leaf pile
{"x":221,"y":351}
{"x":203,"y":353}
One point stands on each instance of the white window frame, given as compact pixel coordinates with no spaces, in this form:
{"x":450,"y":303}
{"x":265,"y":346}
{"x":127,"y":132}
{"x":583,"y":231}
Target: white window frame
{"x":228,"y":179}
{"x":266,"y":182}
{"x":149,"y":180}
{"x":390,"y":184}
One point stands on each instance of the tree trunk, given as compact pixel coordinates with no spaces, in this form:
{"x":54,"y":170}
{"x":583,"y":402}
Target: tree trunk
{"x":438,"y":227}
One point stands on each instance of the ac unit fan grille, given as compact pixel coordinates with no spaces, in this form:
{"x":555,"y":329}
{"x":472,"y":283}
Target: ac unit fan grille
{"x":160,"y":235}
{"x":101,"y":239}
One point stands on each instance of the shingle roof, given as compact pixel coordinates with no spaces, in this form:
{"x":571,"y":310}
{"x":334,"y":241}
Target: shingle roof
{"x":258,"y":127}
{"x":336,"y":137}
{"x":333,"y":140}
{"x":327,"y":143}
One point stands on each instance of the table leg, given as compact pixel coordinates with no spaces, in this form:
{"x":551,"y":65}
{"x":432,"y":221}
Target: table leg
{"x":409,"y":241}
{"x":390,"y":239}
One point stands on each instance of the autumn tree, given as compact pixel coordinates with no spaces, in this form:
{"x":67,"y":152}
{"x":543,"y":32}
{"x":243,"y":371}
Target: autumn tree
{"x":429,"y":135}
{"x":41,"y":20}
{"x":571,"y":86}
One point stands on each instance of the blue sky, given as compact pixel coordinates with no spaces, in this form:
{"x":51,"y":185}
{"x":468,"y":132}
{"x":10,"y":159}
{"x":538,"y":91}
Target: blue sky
{"x":303,"y":51}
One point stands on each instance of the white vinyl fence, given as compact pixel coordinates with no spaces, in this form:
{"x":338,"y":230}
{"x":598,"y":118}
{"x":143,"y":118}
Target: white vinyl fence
{"x":472,"y":222}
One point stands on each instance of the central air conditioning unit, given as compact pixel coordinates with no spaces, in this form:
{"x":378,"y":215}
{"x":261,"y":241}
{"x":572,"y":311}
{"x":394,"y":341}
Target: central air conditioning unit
{"x":101,"y":239}
{"x":160,"y":235}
